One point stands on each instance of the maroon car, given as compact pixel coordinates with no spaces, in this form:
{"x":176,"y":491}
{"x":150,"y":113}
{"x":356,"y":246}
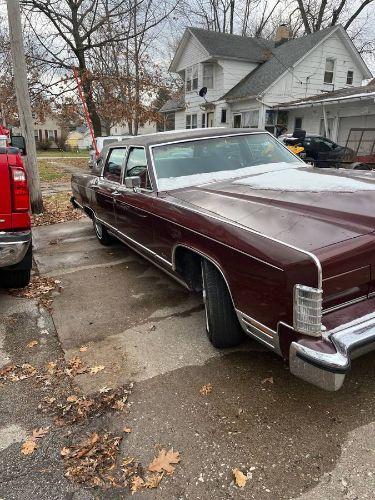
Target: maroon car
{"x":280,"y":251}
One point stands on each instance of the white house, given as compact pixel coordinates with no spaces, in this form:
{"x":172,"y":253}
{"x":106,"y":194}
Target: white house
{"x":249,"y":80}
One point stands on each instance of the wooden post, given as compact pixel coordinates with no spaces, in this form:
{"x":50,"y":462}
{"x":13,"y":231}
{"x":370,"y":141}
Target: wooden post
{"x":23,"y":103}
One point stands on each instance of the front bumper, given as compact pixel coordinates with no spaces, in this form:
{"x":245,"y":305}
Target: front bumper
{"x":326,"y":368}
{"x":13,"y":247}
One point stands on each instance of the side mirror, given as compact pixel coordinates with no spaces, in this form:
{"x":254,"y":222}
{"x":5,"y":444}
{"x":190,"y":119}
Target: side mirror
{"x":133,"y":182}
{"x":18,"y":141}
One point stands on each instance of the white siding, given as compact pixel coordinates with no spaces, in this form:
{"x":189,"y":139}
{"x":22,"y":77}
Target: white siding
{"x":180,"y":120}
{"x":234,"y":71}
{"x":307,"y":77}
{"x":193,"y":53}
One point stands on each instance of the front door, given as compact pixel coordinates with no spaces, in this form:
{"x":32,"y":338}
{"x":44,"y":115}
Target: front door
{"x":210,"y":119}
{"x":132,"y":207}
{"x":107,"y":184}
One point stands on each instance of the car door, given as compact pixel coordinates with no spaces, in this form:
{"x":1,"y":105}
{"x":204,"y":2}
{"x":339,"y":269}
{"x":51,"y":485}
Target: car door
{"x":133,"y":207}
{"x":108,"y":183}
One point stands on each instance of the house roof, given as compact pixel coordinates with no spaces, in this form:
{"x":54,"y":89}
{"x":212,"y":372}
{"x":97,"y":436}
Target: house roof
{"x":363,"y":92}
{"x":233,"y":46}
{"x":173,"y":105}
{"x":284,"y":57}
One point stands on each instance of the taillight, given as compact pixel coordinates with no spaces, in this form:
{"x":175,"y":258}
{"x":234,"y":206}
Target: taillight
{"x":20,"y":191}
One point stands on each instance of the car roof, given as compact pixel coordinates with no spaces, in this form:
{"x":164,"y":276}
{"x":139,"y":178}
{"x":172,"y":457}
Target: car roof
{"x":183,"y":135}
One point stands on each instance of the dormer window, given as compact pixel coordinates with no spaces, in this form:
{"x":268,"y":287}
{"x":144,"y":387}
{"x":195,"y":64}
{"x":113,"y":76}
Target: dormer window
{"x":208,"y":76}
{"x":349,"y":77}
{"x":191,"y":82}
{"x":329,"y":71}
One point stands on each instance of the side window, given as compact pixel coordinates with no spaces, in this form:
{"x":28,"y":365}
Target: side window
{"x":137,"y":166}
{"x":112,"y":169}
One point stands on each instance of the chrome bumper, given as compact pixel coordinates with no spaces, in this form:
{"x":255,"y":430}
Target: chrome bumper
{"x":13,"y":247}
{"x":328,"y":369}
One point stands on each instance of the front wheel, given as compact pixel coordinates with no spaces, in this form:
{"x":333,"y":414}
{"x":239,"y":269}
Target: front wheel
{"x":222,"y":325}
{"x":102,"y":234}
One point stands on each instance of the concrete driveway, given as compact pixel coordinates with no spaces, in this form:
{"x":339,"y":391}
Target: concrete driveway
{"x":119,"y":312}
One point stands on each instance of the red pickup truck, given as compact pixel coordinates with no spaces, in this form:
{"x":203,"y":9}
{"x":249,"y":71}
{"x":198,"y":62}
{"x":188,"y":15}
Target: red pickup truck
{"x":15,"y":226}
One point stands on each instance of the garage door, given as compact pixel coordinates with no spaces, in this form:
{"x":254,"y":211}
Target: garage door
{"x":364,"y":121}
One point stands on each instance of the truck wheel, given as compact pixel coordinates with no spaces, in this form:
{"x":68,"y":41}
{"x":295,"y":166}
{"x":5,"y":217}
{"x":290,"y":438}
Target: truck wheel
{"x":102,"y":234}
{"x":222,"y":325}
{"x":17,"y":278}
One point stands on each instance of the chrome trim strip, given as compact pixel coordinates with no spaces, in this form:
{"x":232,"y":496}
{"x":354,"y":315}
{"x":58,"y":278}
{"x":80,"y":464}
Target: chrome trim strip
{"x":122,"y":237}
{"x":371,"y":294}
{"x":345,"y":304}
{"x":258,"y":331}
{"x":265,"y":329}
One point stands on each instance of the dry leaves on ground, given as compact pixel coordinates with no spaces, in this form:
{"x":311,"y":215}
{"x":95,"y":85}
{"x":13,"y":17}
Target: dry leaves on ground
{"x":205,"y":389}
{"x":32,"y":343}
{"x":14,"y":373}
{"x":96,"y":369}
{"x":76,"y":366}
{"x":40,"y":288}
{"x":164,"y":461}
{"x":239,"y":478}
{"x":76,"y":409}
{"x":268,"y":380}
{"x":93,"y":460}
{"x":57,"y":208}
{"x":30,"y":445}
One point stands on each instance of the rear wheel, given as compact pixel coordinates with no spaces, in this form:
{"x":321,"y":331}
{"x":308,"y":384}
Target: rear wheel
{"x":102,"y":234}
{"x":222,"y":325}
{"x":17,"y":278}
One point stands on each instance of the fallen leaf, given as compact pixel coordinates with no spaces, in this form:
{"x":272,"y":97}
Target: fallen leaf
{"x":39,"y":433}
{"x":72,"y":399}
{"x":118,"y":405}
{"x":32,"y":343}
{"x":153,"y":481}
{"x":205,"y":389}
{"x":239,"y":477}
{"x":64,"y":451}
{"x":164,"y":460}
{"x":127,"y":430}
{"x":137,"y":484}
{"x":83,"y":348}
{"x":96,"y":369}
{"x":29,"y":447}
{"x":268,"y":380}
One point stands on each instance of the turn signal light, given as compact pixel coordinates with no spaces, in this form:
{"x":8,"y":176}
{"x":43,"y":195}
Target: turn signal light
{"x":308,"y":310}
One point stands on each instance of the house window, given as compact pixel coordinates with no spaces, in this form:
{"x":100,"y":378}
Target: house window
{"x":191,"y":121}
{"x":51,"y":135}
{"x":188,"y":79}
{"x":203,"y":120}
{"x":237,"y":121}
{"x":297,"y":123}
{"x":208,"y":76}
{"x":250,"y":119}
{"x":223,"y":116}
{"x":195,"y":78}
{"x":349,"y":77}
{"x":191,"y":81}
{"x":328,"y":73}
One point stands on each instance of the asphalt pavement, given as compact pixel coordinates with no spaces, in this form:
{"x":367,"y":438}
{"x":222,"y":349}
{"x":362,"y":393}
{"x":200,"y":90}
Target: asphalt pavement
{"x":132,"y":324}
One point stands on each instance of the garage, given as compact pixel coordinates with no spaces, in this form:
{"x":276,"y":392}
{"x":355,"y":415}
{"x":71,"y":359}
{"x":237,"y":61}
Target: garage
{"x":366,"y":121}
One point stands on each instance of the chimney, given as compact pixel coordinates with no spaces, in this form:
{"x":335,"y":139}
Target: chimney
{"x":282,"y":34}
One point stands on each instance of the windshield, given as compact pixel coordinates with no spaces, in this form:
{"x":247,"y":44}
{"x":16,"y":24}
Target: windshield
{"x":196,"y":162}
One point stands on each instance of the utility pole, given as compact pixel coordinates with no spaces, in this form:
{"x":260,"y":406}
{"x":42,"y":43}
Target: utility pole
{"x":23,"y":103}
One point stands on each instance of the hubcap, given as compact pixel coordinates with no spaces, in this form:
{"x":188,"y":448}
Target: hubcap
{"x":99,"y":230}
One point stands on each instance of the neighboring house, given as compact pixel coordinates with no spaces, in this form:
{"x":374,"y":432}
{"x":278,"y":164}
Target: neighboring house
{"x":85,"y":141}
{"x":47,"y":130}
{"x":73,"y":139}
{"x":121,"y":129}
{"x":247,"y":79}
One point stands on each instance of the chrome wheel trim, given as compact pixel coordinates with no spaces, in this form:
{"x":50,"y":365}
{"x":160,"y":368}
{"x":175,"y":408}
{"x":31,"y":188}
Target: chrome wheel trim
{"x":204,"y":295}
{"x":98,"y":229}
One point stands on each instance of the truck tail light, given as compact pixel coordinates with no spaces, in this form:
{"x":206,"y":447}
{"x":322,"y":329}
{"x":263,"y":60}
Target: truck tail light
{"x":20,"y":190}
{"x":308,"y":310}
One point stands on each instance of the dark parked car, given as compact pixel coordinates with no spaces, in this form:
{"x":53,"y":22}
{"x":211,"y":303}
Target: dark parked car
{"x":323,"y":153}
{"x":279,"y":251}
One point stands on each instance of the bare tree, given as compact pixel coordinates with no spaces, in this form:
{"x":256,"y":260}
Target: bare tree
{"x":68,"y":30}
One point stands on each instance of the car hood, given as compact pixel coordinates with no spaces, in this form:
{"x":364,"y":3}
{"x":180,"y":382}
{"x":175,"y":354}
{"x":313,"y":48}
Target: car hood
{"x":306,"y":207}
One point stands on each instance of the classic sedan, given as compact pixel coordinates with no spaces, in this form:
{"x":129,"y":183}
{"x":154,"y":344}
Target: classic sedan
{"x":280,"y":251}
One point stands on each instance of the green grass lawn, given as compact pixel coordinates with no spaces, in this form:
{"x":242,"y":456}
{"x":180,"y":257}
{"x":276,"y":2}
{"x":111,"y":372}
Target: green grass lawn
{"x":49,"y":173}
{"x":62,"y":154}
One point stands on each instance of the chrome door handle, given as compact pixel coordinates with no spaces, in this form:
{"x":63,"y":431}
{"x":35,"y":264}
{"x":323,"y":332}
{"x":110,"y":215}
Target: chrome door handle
{"x":117,"y":193}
